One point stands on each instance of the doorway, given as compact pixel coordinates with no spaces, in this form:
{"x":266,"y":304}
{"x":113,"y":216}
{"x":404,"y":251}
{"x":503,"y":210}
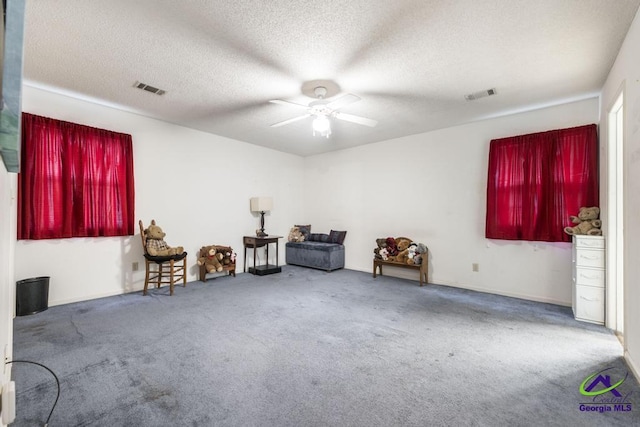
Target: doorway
{"x":615,"y":245}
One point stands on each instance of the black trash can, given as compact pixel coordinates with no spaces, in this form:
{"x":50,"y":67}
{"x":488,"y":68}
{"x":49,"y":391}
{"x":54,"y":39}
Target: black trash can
{"x":32,"y":295}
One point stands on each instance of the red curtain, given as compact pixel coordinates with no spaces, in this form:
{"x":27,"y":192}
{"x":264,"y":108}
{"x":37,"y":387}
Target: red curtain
{"x":75,"y":181}
{"x":537,"y":181}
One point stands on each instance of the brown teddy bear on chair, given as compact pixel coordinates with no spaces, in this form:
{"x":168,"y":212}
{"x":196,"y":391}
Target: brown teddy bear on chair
{"x":155,"y":244}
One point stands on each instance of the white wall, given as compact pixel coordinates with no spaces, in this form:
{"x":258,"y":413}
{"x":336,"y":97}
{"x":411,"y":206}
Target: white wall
{"x":431,"y":187}
{"x":7,"y":282}
{"x":625,"y":73}
{"x":195,"y":185}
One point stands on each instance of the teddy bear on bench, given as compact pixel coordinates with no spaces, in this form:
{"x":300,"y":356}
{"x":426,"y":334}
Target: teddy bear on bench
{"x":401,"y":250}
{"x":211,"y":259}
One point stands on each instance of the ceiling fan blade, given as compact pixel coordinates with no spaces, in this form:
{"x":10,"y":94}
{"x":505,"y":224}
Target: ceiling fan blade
{"x":356,"y":119}
{"x":286,"y":122}
{"x":281,"y":102}
{"x":343,"y":101}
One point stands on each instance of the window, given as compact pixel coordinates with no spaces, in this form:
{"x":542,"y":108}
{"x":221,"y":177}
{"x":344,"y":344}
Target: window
{"x":536,"y":181}
{"x":75,"y":181}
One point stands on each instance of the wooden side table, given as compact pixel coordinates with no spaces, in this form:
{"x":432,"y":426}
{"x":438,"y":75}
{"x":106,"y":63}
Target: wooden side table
{"x":258,"y":242}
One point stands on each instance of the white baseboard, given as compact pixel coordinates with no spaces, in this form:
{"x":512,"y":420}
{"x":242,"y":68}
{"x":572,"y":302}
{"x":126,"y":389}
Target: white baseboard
{"x":512,"y":295}
{"x":635,"y":368}
{"x":412,"y":275}
{"x":92,"y":296}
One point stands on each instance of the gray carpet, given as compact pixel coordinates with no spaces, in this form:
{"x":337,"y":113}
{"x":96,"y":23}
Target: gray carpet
{"x":310,"y":348}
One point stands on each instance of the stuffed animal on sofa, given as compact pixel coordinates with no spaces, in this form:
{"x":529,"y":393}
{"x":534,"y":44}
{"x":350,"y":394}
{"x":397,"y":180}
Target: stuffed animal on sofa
{"x":211,"y":260}
{"x":587,"y":222}
{"x":155,"y":244}
{"x":295,"y":235}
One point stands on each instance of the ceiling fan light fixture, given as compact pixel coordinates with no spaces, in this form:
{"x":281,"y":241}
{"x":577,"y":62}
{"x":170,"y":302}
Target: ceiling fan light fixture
{"x":322,"y":126}
{"x":322,"y":109}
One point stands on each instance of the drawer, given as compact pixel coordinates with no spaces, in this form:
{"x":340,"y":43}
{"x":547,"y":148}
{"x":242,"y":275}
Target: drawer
{"x":590,"y":258}
{"x":589,"y":242}
{"x":589,"y":277}
{"x":589,"y":304}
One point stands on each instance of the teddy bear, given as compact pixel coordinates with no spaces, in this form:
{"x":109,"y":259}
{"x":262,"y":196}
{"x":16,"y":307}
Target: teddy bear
{"x":295,"y":235}
{"x":402,"y":245}
{"x":377,"y":252}
{"x":412,"y":252}
{"x":155,"y":244}
{"x":212,"y":259}
{"x":421,"y":250}
{"x":228,"y":256}
{"x":392,"y":247}
{"x":587,"y":222}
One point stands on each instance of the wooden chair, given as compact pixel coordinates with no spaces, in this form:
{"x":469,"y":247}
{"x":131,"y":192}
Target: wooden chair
{"x":163,"y":269}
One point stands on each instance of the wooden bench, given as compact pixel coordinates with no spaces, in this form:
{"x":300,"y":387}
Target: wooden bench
{"x":423,"y":267}
{"x":230,"y":268}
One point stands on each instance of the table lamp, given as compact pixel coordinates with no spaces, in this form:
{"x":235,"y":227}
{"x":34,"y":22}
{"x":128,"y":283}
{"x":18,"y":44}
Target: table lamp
{"x":262,"y":205}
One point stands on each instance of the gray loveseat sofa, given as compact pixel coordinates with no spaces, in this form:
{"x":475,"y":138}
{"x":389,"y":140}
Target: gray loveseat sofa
{"x":319,"y":250}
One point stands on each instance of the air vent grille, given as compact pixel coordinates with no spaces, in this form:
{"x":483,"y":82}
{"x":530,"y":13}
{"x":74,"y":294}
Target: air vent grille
{"x":149,"y":88}
{"x":480,"y":94}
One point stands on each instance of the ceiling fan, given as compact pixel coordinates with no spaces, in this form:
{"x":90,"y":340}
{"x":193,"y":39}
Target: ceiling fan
{"x":323,"y":109}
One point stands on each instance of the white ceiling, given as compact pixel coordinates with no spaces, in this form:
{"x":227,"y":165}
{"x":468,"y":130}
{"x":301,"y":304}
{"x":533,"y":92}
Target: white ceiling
{"x":411,"y":61}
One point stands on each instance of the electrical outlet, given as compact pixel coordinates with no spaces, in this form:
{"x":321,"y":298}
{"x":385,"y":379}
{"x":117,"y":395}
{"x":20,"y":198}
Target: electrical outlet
{"x":475,"y":267}
{"x":134,"y":266}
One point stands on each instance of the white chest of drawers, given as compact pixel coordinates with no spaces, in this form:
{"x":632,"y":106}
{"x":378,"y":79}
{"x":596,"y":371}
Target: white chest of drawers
{"x":588,"y":271}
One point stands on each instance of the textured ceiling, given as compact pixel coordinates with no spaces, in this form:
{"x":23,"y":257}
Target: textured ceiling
{"x":411,"y":61}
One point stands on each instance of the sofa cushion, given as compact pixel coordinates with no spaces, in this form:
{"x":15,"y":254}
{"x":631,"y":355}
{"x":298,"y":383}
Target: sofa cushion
{"x":319,"y":237}
{"x":305,"y":230}
{"x":337,"y":236}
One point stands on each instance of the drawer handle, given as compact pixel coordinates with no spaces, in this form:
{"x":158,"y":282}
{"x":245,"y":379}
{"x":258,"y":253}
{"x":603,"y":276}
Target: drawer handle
{"x":595,"y":277}
{"x":590,"y":244}
{"x":591,"y":258}
{"x":589,"y":299}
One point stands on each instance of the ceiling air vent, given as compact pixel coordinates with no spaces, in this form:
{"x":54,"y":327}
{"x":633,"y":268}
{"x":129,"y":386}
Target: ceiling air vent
{"x":480,"y":94}
{"x":148,"y":88}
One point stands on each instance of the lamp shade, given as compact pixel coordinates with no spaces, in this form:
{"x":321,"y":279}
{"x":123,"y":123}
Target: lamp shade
{"x":261,"y":204}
